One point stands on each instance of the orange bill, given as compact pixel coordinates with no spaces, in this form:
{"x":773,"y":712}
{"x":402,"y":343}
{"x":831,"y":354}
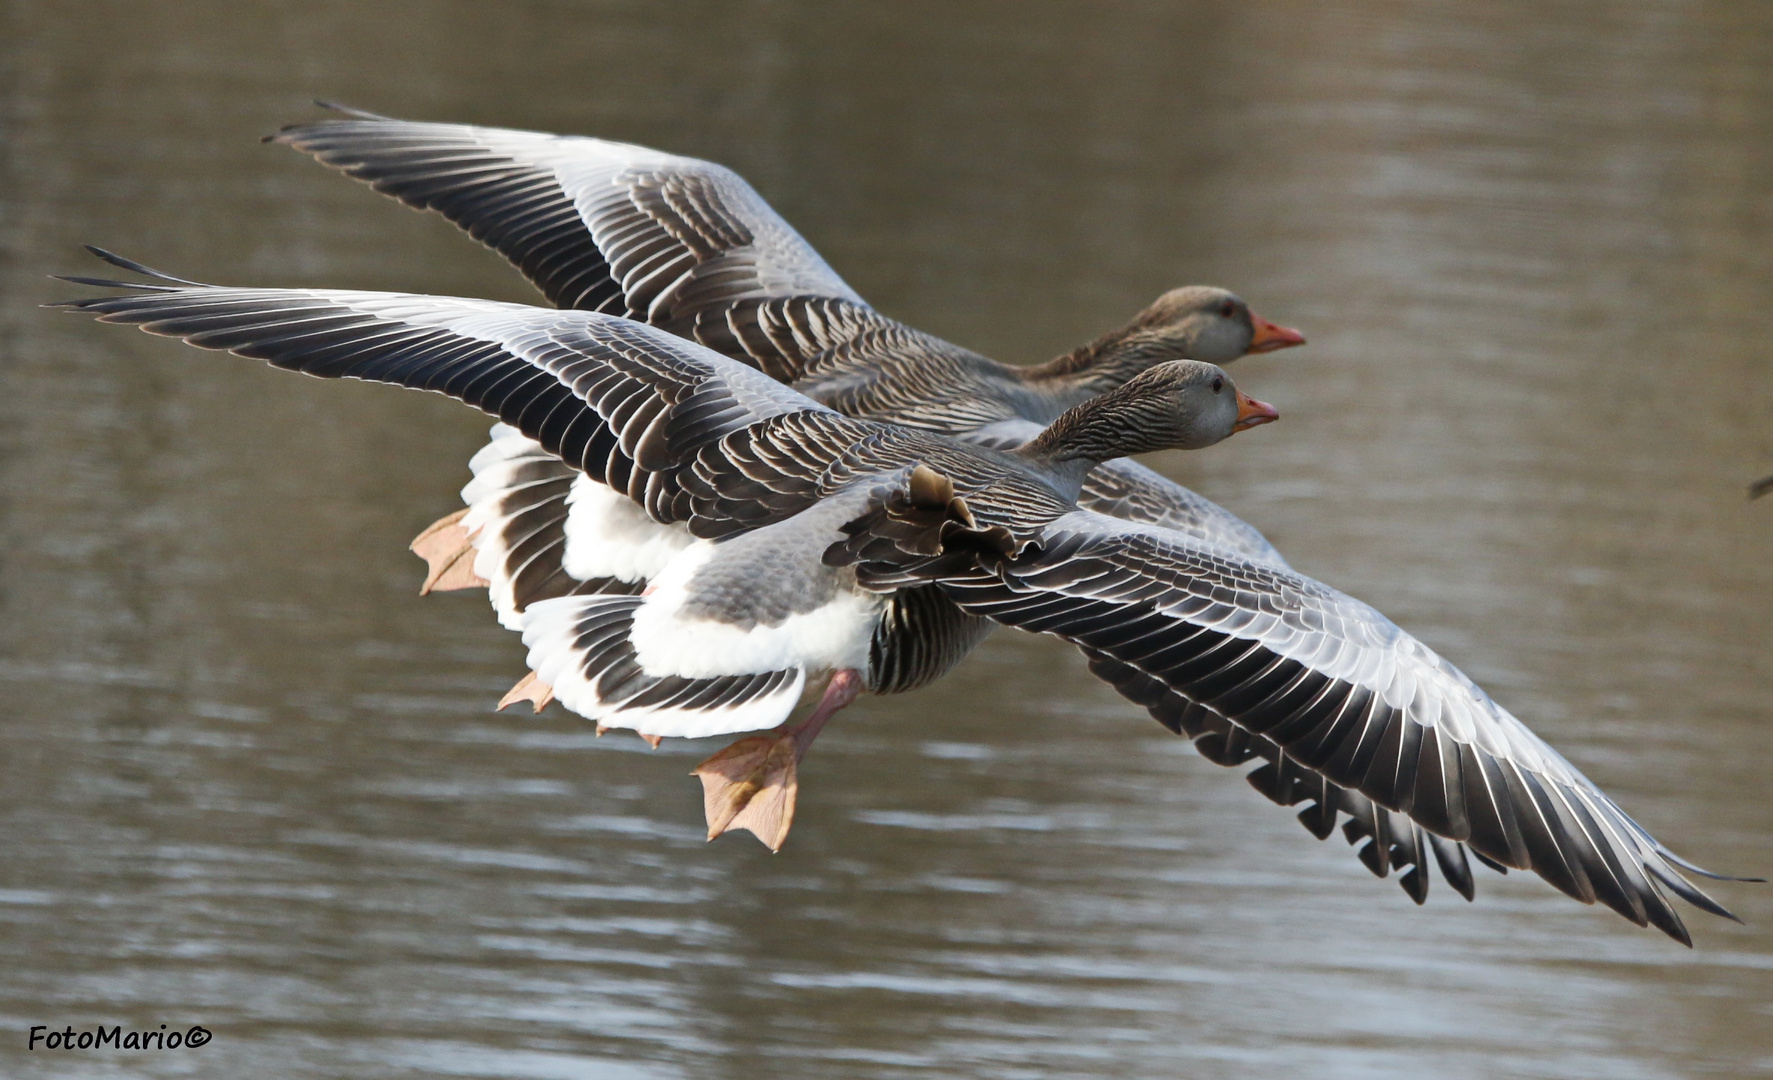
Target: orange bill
{"x":1252,"y":413}
{"x":1271,"y":336}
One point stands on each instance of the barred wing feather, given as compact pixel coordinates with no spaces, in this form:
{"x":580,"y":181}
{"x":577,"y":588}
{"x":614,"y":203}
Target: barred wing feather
{"x":676,"y":242}
{"x":597,"y":225}
{"x":626,"y":404}
{"x":1340,"y":691}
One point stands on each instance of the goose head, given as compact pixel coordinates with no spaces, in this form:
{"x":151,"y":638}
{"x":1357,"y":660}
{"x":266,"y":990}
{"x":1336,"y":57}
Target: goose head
{"x":1195,"y":322}
{"x":1175,"y":405}
{"x":1204,"y":322}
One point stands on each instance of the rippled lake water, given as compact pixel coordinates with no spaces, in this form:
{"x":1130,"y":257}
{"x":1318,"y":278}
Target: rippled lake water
{"x":251,"y":780}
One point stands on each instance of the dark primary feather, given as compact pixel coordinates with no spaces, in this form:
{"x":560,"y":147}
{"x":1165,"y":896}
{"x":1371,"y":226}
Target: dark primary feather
{"x":624,"y":403}
{"x":1286,"y":782}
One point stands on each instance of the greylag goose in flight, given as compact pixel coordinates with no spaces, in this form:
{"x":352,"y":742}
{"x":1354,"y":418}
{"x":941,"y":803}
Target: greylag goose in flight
{"x":780,"y":539}
{"x":688,"y":246}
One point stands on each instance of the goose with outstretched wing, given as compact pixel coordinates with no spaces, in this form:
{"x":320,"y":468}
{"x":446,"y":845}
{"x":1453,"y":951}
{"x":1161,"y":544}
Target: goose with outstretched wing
{"x":688,"y":246}
{"x":757,"y":539}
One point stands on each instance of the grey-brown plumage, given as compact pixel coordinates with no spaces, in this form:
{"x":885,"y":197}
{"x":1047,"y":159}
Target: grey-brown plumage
{"x":688,"y":246}
{"x":1250,"y":658}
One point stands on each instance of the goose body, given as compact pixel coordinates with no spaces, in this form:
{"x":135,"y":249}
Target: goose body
{"x":1350,"y":714}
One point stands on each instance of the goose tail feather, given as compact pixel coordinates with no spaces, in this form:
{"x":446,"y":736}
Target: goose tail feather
{"x":580,"y":646}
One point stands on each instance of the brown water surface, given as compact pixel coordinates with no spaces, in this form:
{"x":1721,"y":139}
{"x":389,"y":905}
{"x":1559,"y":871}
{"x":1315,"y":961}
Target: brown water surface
{"x":251,"y":780}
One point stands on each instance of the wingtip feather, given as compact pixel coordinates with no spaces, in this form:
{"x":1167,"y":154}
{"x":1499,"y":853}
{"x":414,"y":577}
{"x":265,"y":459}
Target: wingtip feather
{"x":1693,"y":868}
{"x":1688,"y":891}
{"x":135,"y":268}
{"x":288,"y":133}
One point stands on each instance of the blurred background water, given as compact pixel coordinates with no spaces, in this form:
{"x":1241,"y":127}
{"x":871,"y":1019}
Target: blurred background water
{"x":251,"y":780}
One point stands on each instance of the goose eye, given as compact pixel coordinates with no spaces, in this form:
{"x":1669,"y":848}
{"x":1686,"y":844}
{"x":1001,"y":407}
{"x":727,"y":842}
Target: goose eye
{"x":1227,"y":309}
{"x":1218,"y":383}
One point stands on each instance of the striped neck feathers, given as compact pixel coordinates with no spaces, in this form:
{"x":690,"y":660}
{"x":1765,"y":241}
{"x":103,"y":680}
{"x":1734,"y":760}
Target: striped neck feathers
{"x":1105,"y":363}
{"x":1182,"y":404}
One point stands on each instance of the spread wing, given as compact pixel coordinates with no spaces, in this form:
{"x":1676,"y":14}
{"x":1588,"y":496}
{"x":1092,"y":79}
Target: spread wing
{"x":1335,"y":694}
{"x":679,"y":243}
{"x":630,"y":406}
{"x":597,"y":225}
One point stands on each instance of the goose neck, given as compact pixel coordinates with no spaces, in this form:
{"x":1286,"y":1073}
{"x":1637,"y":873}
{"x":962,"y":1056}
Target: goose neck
{"x":1120,"y":423}
{"x":1101,"y":365}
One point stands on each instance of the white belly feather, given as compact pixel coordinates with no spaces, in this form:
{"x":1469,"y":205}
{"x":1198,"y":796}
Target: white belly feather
{"x":609,"y":535}
{"x":669,"y":641}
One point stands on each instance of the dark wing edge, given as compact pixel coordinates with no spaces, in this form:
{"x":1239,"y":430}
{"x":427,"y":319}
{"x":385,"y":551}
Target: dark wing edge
{"x":1345,"y":695}
{"x":628,"y":405}
{"x":1385,"y":840}
{"x":676,"y":242}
